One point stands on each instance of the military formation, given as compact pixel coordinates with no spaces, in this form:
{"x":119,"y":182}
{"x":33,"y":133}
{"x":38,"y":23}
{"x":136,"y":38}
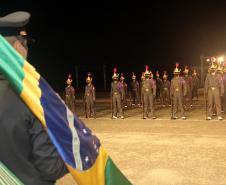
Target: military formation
{"x":179,"y":93}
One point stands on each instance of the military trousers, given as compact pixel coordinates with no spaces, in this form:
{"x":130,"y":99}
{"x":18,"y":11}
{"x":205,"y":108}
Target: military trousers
{"x":148,"y":103}
{"x":178,"y":103}
{"x":195,"y":92}
{"x":70,"y":102}
{"x":135,"y":97}
{"x":165,"y":96}
{"x":214,"y":101}
{"x":117,"y":104}
{"x":188,"y":98}
{"x":89,"y":106}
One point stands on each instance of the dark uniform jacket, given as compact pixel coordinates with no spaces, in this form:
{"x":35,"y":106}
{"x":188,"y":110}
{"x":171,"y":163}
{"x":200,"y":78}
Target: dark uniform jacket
{"x":159,"y":84}
{"x":70,"y":98}
{"x":135,"y":86}
{"x":90,"y":92}
{"x":213,"y":81}
{"x":178,"y":85}
{"x":149,"y":87}
{"x":116,"y":89}
{"x":124,"y":90}
{"x":25,"y":146}
{"x":165,"y":85}
{"x":195,"y":81}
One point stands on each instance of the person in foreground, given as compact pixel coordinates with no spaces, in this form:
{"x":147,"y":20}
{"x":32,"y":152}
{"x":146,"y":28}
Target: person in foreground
{"x":26,"y":149}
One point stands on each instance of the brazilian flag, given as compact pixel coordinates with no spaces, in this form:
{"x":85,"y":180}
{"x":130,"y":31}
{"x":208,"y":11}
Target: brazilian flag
{"x":83,"y":153}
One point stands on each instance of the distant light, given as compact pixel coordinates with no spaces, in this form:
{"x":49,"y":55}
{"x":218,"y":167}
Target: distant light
{"x":207,"y":59}
{"x":220,"y":59}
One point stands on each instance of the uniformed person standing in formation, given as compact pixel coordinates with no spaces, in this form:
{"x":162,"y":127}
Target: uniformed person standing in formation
{"x":220,"y":77}
{"x":165,"y":94}
{"x":124,"y":90}
{"x":224,"y":83}
{"x":158,"y":86}
{"x":177,"y":91}
{"x":142,"y":78}
{"x":89,"y":97}
{"x":70,"y":94}
{"x":135,"y":90}
{"x":116,"y":96}
{"x":188,"y":84}
{"x":195,"y":85}
{"x":148,"y":94}
{"x":214,"y":89}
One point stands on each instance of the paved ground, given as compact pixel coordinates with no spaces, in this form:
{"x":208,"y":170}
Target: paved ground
{"x":162,"y":151}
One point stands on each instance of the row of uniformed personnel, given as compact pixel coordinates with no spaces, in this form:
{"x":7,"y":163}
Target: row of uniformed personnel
{"x":179,"y":93}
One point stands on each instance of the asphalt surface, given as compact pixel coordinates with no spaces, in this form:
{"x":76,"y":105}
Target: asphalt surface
{"x":161,"y":151}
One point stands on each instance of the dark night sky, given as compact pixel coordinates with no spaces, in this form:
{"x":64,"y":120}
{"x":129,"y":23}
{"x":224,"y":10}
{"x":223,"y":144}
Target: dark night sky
{"x":109,"y":33}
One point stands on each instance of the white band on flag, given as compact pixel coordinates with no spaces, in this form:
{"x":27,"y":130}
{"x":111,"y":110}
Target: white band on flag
{"x":75,"y":140}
